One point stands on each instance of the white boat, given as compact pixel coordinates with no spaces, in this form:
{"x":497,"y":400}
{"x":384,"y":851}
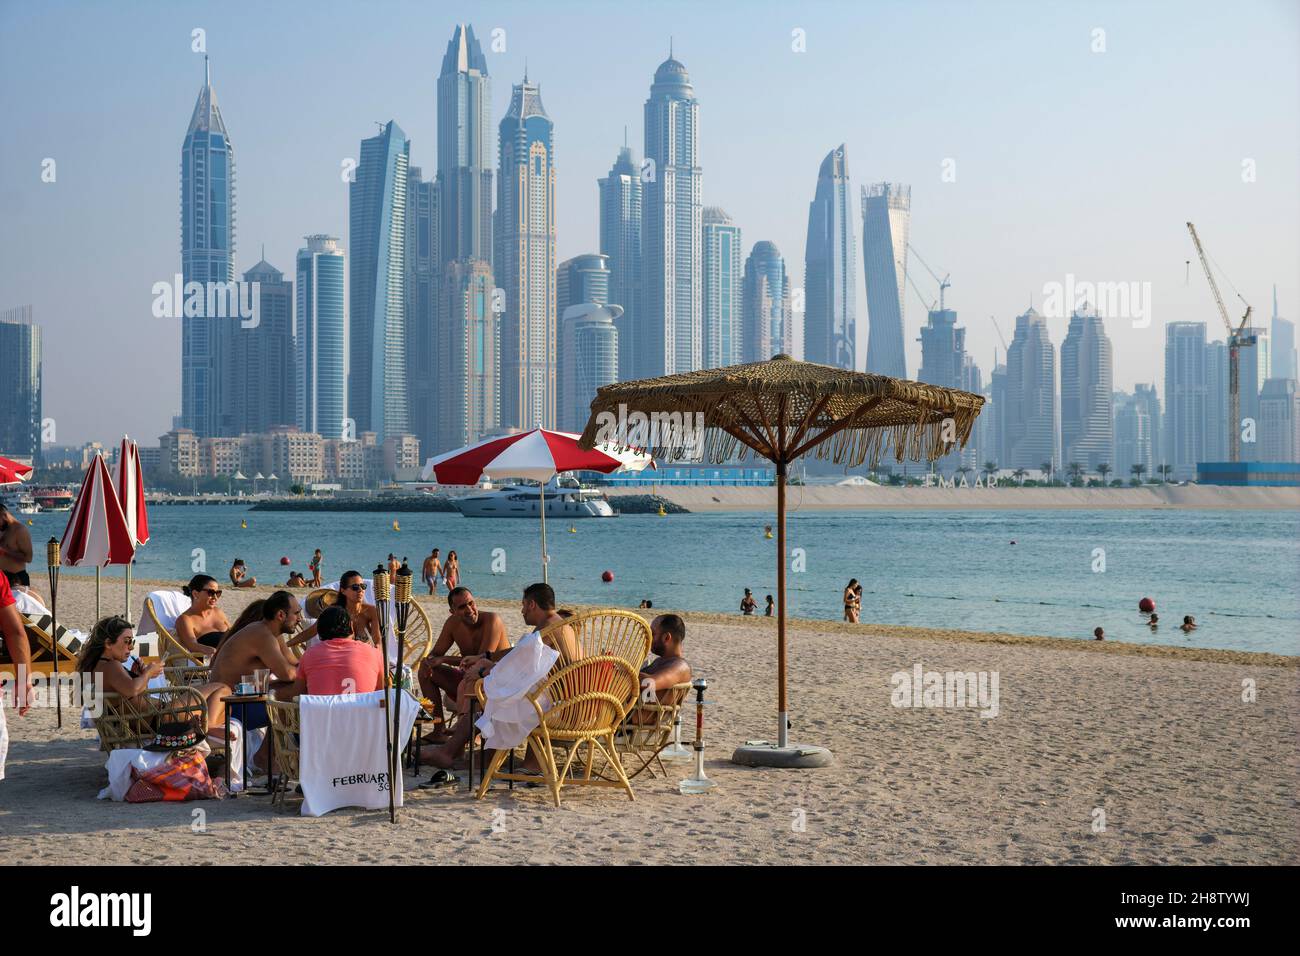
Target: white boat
{"x":565,"y":498}
{"x":27,"y":505}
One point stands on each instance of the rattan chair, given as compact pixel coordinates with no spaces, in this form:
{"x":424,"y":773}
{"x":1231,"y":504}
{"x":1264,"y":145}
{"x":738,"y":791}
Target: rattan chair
{"x":648,"y":729}
{"x":183,"y":674}
{"x":123,"y":724}
{"x":603,"y":631}
{"x":579,"y":704}
{"x":286,"y":727}
{"x":419,"y":636}
{"x":170,"y":648}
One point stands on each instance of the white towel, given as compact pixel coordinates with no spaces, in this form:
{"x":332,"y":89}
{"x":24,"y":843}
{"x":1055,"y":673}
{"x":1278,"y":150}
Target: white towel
{"x":344,"y":757}
{"x":509,"y":717}
{"x":168,"y":605}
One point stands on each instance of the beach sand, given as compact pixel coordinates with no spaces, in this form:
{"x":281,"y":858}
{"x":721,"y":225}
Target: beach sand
{"x":1158,"y":741}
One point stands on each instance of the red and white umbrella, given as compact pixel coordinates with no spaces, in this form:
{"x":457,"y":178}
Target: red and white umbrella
{"x":128,"y":483}
{"x":538,"y":455}
{"x":97,"y":533}
{"x":12,"y":472}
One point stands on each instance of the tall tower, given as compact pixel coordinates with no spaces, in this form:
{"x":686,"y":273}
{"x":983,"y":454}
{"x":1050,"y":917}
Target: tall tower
{"x":1187,"y":386}
{"x":723,"y":294}
{"x":620,"y":240}
{"x":468,"y":336}
{"x":207,"y":255}
{"x":584,"y":278}
{"x":525,"y":261}
{"x":670,"y":337}
{"x":423,"y":268}
{"x":945,"y":361}
{"x":1087,"y":395}
{"x":1284,"y":354}
{"x":465,"y":150}
{"x":261,"y":384}
{"x":321,"y":339}
{"x":20,"y":384}
{"x":1030,"y":396}
{"x":830,"y":276}
{"x":588,"y":359}
{"x":377,"y":398}
{"x":886,"y":217}
{"x":768,"y":319}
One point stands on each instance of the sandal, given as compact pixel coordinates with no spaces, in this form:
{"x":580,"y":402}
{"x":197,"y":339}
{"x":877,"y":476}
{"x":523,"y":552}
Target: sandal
{"x":440,"y":780}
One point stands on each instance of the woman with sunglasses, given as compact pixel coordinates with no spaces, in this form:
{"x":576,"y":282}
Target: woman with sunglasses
{"x":352,"y":597}
{"x":200,"y":628}
{"x":109,"y":651}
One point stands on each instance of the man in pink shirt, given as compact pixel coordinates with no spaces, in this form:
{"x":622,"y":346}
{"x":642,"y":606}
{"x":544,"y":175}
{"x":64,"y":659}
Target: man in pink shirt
{"x":339,"y":664}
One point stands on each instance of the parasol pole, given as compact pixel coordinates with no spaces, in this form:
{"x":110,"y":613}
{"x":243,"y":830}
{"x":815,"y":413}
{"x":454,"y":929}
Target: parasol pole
{"x":542,"y":492}
{"x":783,"y":714}
{"x":381,"y":606}
{"x":53,"y":559}
{"x":97,"y":573}
{"x":127,"y":612}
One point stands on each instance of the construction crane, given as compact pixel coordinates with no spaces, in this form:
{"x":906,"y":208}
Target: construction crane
{"x":944,"y":284}
{"x":1238,"y":339}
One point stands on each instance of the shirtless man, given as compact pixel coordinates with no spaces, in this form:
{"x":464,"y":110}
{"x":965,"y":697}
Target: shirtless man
{"x":474,"y":633}
{"x":393,"y":567}
{"x":260,"y":646}
{"x":539,"y":612}
{"x":430,"y":571}
{"x":365,"y":617}
{"x":15,"y":550}
{"x":200,"y":627}
{"x":239,"y":575}
{"x":669,"y":668}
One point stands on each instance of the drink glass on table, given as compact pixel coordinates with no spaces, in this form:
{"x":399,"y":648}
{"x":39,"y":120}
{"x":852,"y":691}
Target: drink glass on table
{"x":246,"y":685}
{"x":262,"y":680}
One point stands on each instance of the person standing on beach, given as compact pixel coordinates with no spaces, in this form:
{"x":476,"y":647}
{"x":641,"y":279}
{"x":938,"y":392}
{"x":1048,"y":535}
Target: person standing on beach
{"x":748,"y":604}
{"x":393,"y":567}
{"x":432,"y":568}
{"x":451,"y":572}
{"x":314,"y":567}
{"x":771,"y":606}
{"x":851,"y":604}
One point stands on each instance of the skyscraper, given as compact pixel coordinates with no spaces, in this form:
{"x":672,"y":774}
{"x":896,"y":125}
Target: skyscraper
{"x":207,"y":255}
{"x":1150,"y":400}
{"x":465,"y":150}
{"x":722,"y":292}
{"x":1279,"y":421}
{"x":584,"y":278}
{"x":886,"y":216}
{"x":260,"y":386}
{"x":1185,"y":397}
{"x":620,"y":239}
{"x":1253,"y":369}
{"x":423,"y":266}
{"x":1214,"y":439}
{"x":377,"y":398}
{"x":525,"y":261}
{"x":588,"y":359}
{"x":1284,"y":354}
{"x":767,"y":317}
{"x":468,"y":390}
{"x":997,"y":444}
{"x":1087,"y":372}
{"x":20,"y":384}
{"x":830,"y":278}
{"x":670,"y":334}
{"x":1133,"y":439}
{"x":321,"y":338}
{"x":945,"y":361}
{"x":1030,"y":416}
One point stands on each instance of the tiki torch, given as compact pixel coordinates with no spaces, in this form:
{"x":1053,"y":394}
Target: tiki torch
{"x":54,"y":558}
{"x":381,"y":605}
{"x":402,"y":607}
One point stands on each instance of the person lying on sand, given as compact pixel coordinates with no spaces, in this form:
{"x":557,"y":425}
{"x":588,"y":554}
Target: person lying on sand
{"x":474,"y":633}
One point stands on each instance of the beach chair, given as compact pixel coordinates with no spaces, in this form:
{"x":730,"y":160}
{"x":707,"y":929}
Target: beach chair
{"x":122,"y":724}
{"x":588,"y":701}
{"x":648,"y":729}
{"x":285,"y":728}
{"x":185,"y":674}
{"x":168,"y":647}
{"x":604,"y":631}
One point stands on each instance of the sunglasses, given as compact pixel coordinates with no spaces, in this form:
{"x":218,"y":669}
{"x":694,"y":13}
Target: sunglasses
{"x":356,"y":587}
{"x":212,"y":592}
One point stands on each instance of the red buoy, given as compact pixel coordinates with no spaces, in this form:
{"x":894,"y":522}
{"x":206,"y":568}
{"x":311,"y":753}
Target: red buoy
{"x":285,"y":561}
{"x":1146,"y":605}
{"x":607,"y":576}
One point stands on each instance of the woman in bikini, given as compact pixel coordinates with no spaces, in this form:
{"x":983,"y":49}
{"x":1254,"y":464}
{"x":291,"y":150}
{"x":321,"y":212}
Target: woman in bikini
{"x":199,"y":629}
{"x":365,"y":617}
{"x":451,"y":571}
{"x":851,"y":605}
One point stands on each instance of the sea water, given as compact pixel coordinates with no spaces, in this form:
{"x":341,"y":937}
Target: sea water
{"x":1067,"y":572}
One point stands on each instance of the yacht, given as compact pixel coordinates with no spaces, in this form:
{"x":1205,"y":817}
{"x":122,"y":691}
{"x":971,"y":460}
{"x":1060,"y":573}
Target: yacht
{"x":20,"y":503}
{"x":565,"y":498}
{"x":53,"y":499}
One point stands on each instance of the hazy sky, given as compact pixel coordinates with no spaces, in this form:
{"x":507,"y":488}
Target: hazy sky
{"x":1066,"y":160}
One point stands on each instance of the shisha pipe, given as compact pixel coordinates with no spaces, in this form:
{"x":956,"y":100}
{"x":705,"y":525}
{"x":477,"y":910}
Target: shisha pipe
{"x":699,"y":782}
{"x":53,"y":557}
{"x":402,"y":607}
{"x":381,"y":605}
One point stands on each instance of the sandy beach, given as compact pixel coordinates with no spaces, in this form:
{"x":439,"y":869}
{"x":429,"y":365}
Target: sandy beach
{"x":1157,"y":744}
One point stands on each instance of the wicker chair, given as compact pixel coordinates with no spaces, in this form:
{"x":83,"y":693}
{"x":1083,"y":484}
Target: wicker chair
{"x":604,"y":631}
{"x":649,"y":729}
{"x":419,"y":636}
{"x":171,"y":648}
{"x":180,"y":673}
{"x":285,"y":729}
{"x":122,"y":724}
{"x":588,"y":701}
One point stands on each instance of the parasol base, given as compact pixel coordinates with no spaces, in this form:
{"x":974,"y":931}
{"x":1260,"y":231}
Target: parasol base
{"x":764,"y":753}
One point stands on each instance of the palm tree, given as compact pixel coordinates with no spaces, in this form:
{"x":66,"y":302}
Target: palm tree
{"x":962,"y":471}
{"x":1164,"y":471}
{"x":1137,"y":471}
{"x":1075,"y":471}
{"x":1047,"y":470}
{"x":989,"y":468}
{"x":1104,"y":469}
{"x":1020,"y":474}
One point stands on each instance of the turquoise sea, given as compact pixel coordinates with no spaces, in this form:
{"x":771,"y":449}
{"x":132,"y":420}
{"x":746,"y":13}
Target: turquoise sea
{"x":1237,"y":572}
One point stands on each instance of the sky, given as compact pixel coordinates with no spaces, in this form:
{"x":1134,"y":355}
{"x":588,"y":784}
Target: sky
{"x":1042,"y":140}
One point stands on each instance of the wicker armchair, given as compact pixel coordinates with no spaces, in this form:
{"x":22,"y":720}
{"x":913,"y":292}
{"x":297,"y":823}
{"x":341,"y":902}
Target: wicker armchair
{"x":648,"y":730}
{"x":587,"y":702}
{"x":603,"y":631}
{"x":180,"y":673}
{"x":285,"y":729}
{"x":170,"y":648}
{"x":419,"y":636}
{"x":123,"y":724}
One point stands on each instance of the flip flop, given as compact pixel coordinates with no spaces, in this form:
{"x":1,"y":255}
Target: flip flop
{"x":440,"y":780}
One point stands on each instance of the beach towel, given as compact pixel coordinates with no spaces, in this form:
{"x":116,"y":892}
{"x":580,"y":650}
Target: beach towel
{"x":508,"y":716}
{"x":343,"y":757}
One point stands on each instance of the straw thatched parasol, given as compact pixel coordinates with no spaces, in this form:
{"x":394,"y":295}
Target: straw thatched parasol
{"x":781,"y":410}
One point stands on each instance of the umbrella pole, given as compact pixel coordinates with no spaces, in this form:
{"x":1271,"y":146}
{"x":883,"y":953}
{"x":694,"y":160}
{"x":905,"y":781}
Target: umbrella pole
{"x":97,"y":572}
{"x":783,"y":714}
{"x":543,"y":505}
{"x":127,"y":612}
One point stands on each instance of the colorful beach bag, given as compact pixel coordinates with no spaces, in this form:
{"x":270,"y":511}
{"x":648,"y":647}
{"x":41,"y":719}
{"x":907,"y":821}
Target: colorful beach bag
{"x":182,"y":776}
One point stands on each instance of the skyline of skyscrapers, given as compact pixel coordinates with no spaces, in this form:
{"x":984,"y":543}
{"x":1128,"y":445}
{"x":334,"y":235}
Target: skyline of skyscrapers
{"x":886,"y":221}
{"x":722,"y":295}
{"x":945,"y":361}
{"x":766,"y":314}
{"x":669,"y":333}
{"x":464,"y":122}
{"x":620,"y":239}
{"x":321,"y":334}
{"x":830,"y":280}
{"x":469,"y":393}
{"x":1087,"y":397}
{"x":524,"y":263}
{"x":377,"y":397}
{"x":423,"y":267}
